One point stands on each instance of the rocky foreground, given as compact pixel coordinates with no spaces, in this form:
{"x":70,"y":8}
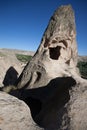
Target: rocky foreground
{"x":15,"y":114}
{"x":50,"y":84}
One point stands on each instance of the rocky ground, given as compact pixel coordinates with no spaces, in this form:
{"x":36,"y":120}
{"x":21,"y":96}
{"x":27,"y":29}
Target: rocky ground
{"x":8,"y":59}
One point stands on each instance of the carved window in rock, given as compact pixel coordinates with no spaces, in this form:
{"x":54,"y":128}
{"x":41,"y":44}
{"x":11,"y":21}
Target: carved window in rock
{"x":68,"y":62}
{"x":54,"y":52}
{"x":64,"y":43}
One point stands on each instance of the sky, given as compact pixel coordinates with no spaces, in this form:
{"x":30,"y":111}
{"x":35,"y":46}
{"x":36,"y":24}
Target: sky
{"x":23,"y":22}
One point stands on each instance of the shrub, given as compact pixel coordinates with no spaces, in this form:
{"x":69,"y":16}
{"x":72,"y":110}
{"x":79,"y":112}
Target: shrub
{"x":23,"y":58}
{"x":83,"y":69}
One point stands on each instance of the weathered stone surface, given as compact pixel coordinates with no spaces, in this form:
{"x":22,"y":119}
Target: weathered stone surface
{"x":57,"y":53}
{"x":60,"y":105}
{"x":78,"y":108}
{"x":15,"y":114}
{"x":50,"y":84}
{"x":54,"y":77}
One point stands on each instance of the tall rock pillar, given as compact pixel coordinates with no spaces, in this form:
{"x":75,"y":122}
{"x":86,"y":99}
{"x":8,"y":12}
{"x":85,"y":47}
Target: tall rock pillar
{"x":57,"y":52}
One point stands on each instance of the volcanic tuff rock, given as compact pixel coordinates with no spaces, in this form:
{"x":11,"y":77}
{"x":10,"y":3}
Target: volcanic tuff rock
{"x":50,"y":84}
{"x":57,"y":53}
{"x":15,"y":114}
{"x":8,"y":60}
{"x":54,"y":77}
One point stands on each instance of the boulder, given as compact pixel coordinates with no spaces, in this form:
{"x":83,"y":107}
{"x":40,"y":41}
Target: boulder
{"x":15,"y":114}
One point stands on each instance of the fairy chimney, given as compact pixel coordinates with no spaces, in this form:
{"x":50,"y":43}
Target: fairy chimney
{"x":56,"y":55}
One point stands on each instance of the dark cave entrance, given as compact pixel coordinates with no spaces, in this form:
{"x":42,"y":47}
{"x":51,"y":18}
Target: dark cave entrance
{"x":54,"y":52}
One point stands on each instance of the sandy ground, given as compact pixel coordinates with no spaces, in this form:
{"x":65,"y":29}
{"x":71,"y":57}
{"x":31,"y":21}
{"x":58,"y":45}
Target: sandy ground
{"x":8,"y":59}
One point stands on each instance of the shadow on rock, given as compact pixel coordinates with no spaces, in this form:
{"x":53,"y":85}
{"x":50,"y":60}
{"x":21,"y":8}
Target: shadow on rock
{"x":10,"y":77}
{"x":49,"y":104}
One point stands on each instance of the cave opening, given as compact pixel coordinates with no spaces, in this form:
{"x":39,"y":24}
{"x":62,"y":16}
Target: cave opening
{"x":54,"y":52}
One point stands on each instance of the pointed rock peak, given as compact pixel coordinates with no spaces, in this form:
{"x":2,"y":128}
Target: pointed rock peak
{"x":57,"y":52}
{"x":62,"y":20}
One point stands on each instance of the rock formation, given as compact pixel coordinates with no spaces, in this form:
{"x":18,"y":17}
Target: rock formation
{"x":57,"y":53}
{"x":50,"y":84}
{"x":51,"y":79}
{"x":15,"y":114}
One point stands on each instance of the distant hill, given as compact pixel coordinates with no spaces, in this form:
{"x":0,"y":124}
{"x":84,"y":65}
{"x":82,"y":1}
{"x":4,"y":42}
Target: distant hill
{"x":82,"y":58}
{"x":5,"y":50}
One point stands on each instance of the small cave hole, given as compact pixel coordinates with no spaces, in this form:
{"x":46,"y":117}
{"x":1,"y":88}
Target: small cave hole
{"x":54,"y":52}
{"x":64,"y":42}
{"x":68,"y":62}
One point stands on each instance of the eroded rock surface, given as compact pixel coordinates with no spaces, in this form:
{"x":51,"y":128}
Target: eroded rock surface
{"x":57,"y":53}
{"x":15,"y":114}
{"x":50,"y":84}
{"x":51,"y":79}
{"x":8,"y":60}
{"x":78,"y":108}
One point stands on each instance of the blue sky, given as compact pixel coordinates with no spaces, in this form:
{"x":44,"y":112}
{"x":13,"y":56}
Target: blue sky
{"x":23,"y":22}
